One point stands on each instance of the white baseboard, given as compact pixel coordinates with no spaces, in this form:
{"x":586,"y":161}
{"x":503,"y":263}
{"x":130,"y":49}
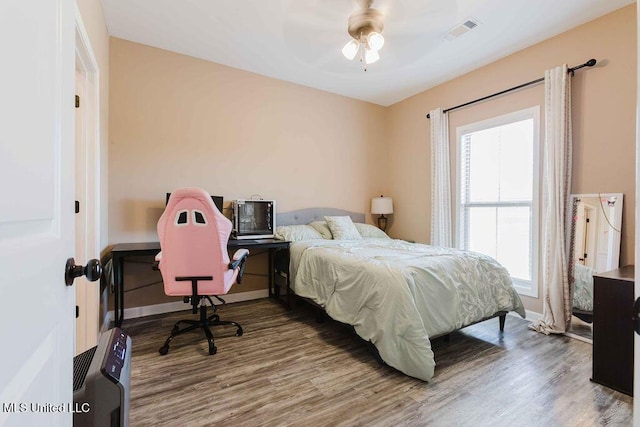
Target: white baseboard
{"x":169,"y":307}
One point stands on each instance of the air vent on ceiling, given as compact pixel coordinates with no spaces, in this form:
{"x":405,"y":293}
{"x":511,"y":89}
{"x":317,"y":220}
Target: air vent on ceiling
{"x":460,"y":29}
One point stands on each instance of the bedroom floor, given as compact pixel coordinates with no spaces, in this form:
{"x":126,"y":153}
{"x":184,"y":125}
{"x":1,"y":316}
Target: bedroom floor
{"x":287,"y":369}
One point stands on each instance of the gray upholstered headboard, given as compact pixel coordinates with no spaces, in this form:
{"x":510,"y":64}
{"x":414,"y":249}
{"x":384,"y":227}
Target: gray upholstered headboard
{"x":305,"y":216}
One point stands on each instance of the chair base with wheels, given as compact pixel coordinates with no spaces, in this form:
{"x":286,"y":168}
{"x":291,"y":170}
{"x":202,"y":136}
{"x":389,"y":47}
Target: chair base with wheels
{"x":204,"y":322}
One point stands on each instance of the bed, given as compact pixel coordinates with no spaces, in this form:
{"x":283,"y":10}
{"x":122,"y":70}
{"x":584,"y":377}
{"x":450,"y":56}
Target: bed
{"x":396,"y":294}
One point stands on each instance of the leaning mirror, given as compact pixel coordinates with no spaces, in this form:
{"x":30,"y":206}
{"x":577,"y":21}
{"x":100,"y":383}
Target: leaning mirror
{"x":594,"y":245}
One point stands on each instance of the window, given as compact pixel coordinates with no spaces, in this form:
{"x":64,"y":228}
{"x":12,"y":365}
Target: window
{"x":498,"y":193}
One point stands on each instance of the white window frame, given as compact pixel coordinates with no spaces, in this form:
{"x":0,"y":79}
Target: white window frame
{"x":523,"y":287}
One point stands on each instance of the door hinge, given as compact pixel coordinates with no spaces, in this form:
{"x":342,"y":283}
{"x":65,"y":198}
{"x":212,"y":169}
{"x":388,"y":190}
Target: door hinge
{"x":77,"y":101}
{"x":77,"y":311}
{"x":77,"y":206}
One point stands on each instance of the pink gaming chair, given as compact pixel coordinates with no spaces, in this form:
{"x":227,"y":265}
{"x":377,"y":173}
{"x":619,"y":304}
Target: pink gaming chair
{"x":194,"y":261}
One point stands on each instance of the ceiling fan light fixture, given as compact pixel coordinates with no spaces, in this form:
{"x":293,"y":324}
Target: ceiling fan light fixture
{"x":371,"y":56}
{"x":375,"y":41}
{"x":365,"y":28}
{"x":350,"y":49}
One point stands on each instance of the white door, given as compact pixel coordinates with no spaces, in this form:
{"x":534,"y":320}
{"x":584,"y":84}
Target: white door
{"x":37,"y":309}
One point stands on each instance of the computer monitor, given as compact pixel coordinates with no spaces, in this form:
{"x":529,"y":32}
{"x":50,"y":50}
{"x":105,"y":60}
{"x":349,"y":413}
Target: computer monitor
{"x":217,"y":200}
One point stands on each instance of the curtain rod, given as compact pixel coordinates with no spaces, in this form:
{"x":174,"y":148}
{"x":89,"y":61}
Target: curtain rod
{"x":589,"y":63}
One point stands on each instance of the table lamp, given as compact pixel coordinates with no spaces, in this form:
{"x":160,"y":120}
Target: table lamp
{"x":381,"y":206}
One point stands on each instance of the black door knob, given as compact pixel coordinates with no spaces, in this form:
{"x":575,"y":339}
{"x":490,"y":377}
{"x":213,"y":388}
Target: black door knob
{"x":93,"y":271}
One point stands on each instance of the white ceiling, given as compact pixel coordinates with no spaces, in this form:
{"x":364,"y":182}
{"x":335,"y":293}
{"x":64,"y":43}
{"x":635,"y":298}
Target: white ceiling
{"x":301,"y":40}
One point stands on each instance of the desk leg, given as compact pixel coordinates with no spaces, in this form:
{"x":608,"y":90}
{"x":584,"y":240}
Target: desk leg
{"x":290,"y":297}
{"x":272,"y":279}
{"x":118,"y":291}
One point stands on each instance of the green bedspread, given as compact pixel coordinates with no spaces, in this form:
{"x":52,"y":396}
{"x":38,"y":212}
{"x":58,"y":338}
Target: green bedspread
{"x":397,"y":294}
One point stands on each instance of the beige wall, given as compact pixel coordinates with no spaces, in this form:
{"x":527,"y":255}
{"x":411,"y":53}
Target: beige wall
{"x":179,"y":121}
{"x":93,"y":20}
{"x":604,"y":103}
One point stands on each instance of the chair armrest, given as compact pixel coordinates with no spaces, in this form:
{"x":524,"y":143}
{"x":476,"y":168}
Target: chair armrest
{"x":239,"y":260}
{"x":156,"y":264}
{"x":238,"y":257}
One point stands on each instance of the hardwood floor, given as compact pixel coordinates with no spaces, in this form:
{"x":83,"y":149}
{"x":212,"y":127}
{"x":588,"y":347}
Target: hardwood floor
{"x":287,"y":369}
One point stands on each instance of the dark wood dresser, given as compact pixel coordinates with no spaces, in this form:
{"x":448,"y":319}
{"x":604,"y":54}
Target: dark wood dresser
{"x":613,"y":329}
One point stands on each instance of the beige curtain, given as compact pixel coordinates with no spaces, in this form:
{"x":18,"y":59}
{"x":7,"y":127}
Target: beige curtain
{"x":440,"y":180}
{"x":556,"y":309}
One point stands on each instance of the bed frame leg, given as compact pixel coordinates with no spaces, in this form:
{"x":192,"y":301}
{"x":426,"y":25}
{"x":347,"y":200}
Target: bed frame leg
{"x":502,"y":317}
{"x":321,"y":316}
{"x":372,"y":348}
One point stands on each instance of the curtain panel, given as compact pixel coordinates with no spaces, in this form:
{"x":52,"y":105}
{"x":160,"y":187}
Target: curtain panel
{"x":441,"y":234}
{"x":556,"y":309}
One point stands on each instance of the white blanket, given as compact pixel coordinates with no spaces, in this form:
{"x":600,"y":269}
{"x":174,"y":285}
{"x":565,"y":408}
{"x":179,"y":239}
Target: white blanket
{"x":397,"y":294}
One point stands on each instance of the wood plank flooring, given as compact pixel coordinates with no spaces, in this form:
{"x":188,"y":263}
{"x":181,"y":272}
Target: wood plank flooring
{"x":289,"y":370}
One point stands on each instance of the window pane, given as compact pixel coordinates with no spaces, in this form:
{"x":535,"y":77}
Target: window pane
{"x":514,"y":247}
{"x":497,"y":163}
{"x":516,"y":161}
{"x":482,"y":231}
{"x":483,"y":172}
{"x":504,"y":234}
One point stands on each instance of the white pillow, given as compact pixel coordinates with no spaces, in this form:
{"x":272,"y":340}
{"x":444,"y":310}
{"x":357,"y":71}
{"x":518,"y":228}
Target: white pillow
{"x":370,"y":231}
{"x":342,"y":228}
{"x":295,"y":233}
{"x":322,"y":228}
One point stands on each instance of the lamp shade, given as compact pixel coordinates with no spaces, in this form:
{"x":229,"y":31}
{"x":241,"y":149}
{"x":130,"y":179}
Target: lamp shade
{"x":375,"y":40}
{"x":371,"y":56}
{"x":382,"y":205}
{"x":350,"y":49}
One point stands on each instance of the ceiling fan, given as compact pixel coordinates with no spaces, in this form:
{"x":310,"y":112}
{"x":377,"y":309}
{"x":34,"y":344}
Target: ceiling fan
{"x":365,"y":27}
{"x":314,"y":32}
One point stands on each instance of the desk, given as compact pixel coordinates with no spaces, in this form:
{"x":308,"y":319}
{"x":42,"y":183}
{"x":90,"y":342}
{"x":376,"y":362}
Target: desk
{"x":125,"y":250}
